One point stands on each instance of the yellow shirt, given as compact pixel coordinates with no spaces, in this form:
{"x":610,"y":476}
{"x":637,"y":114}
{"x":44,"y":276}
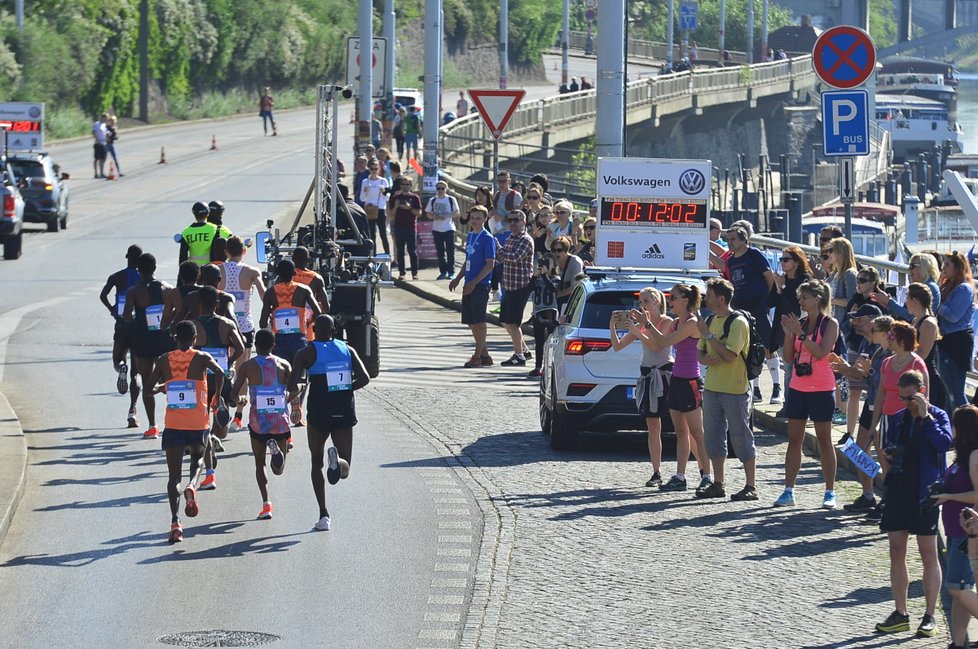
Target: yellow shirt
{"x":730,"y":378}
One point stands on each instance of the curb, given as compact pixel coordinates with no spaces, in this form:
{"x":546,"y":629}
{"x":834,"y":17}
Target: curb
{"x":13,"y":464}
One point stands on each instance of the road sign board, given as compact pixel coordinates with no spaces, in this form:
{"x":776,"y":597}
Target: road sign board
{"x":496,"y":107}
{"x":844,"y":56}
{"x":688,"y":14}
{"x":847,"y":181}
{"x":26,"y":124}
{"x":378,"y":66}
{"x":845,"y":122}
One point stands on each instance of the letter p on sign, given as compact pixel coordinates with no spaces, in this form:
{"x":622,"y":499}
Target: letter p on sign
{"x":843,"y":110}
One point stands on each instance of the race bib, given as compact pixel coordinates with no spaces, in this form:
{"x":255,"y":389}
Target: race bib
{"x":287,"y":321}
{"x":220,"y":355}
{"x":239,"y":306}
{"x":154,"y":317}
{"x":181,"y":395}
{"x":270,"y":400}
{"x":468,"y":265}
{"x":338,"y":377}
{"x":120,"y":303}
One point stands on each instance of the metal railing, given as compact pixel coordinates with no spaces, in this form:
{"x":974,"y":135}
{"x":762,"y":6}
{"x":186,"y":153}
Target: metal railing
{"x":657,"y":50}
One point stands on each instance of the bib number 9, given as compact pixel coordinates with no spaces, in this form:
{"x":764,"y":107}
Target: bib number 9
{"x":181,"y":395}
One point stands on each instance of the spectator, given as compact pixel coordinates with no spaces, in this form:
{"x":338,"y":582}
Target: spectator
{"x":100,"y":133}
{"x":541,"y":232}
{"x":370,"y":151}
{"x":924,"y":270}
{"x":265,"y":105}
{"x":442,"y":209}
{"x":545,"y":309}
{"x":586,"y":248}
{"x":516,"y":257}
{"x":867,"y":280}
{"x":482,"y":196}
{"x":808,"y":343}
{"x":826,"y":235}
{"x":534,"y":194}
{"x":564,"y":226}
{"x":506,"y":199}
{"x":954,"y":317}
{"x":928,"y":332}
{"x":685,"y":386}
{"x":592,"y":209}
{"x":360,"y":172}
{"x":373,"y":197}
{"x":753,"y":279}
{"x":111,"y":137}
{"x":544,"y":182}
{"x":718,"y":246}
{"x":480,"y":257}
{"x":726,"y":399}
{"x":725,"y":56}
{"x":574,"y":86}
{"x":782,"y":55}
{"x":920,"y":438}
{"x":842,"y":279}
{"x":384,"y":158}
{"x":398,"y":130}
{"x":413,"y":128}
{"x":376,"y":131}
{"x":652,"y":388}
{"x":585,"y":84}
{"x":794,"y":265}
{"x":960,"y":481}
{"x":873,"y":351}
{"x":694,"y":53}
{"x":569,"y":268}
{"x":901,"y":341}
{"x":462,"y":105}
{"x":406,"y":207}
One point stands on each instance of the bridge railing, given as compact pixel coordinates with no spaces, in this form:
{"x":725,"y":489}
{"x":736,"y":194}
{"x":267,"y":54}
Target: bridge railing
{"x":657,"y":50}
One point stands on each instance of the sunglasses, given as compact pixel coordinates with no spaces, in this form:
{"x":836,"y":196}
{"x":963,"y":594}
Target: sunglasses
{"x":825,"y":255}
{"x":441,"y":189}
{"x":561,"y":212}
{"x":588,"y":227}
{"x":825,"y":239}
{"x":863,"y":280}
{"x":784,"y":259}
{"x":516,"y":220}
{"x":533,"y":197}
{"x":373,"y":167}
{"x":559,"y":249}
{"x":907,"y":399}
{"x":912,"y":266}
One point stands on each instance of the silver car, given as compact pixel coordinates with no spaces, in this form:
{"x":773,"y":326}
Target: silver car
{"x":42,"y":184}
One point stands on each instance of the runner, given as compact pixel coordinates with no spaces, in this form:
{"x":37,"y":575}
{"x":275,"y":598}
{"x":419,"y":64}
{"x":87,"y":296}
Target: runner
{"x":197,"y":238}
{"x":219,"y":337}
{"x":268,"y":420}
{"x":335,"y":371}
{"x":310,"y":278}
{"x":122,"y":281}
{"x":289,"y":307}
{"x":215,"y":215}
{"x":238,"y":279}
{"x":188,"y":278}
{"x":210,"y":275}
{"x":180,"y":374}
{"x":146,"y":310}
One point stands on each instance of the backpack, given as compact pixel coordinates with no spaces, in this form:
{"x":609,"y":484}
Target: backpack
{"x":755,"y":355}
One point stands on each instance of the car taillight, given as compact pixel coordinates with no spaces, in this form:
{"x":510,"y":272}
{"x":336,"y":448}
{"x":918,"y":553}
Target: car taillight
{"x":9,"y":208}
{"x":579,"y":346}
{"x":579,"y":389}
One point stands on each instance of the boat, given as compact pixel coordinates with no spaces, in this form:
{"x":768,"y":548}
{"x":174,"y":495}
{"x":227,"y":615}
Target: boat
{"x":869,"y":235}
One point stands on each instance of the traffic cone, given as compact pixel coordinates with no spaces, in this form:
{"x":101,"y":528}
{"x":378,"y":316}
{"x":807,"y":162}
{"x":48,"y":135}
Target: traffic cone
{"x":162,"y":157}
{"x":213,"y":142}
{"x":111,"y":175}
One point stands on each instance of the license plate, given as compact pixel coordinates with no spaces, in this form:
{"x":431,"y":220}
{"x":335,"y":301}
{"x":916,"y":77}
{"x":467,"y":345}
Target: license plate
{"x":630,"y":392}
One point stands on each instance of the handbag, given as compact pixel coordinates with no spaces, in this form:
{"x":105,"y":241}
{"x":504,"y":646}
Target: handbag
{"x":372,"y":211}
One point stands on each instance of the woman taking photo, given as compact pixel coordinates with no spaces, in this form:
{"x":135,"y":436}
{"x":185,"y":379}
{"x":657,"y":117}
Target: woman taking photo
{"x":795,"y":272}
{"x":928,"y":333}
{"x":922,"y":270}
{"x":652,"y":389}
{"x":902,"y":341}
{"x":808,"y":343}
{"x":954,"y":317}
{"x":686,"y":384}
{"x":569,"y":268}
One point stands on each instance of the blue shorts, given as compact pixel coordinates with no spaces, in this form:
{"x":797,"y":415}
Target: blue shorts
{"x":816,"y":406}
{"x":286,"y":345}
{"x":958,"y":574}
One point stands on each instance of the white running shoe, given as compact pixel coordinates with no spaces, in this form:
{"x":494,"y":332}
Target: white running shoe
{"x":322,"y":525}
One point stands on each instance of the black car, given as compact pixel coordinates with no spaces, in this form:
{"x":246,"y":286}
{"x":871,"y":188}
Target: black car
{"x":43,"y":187}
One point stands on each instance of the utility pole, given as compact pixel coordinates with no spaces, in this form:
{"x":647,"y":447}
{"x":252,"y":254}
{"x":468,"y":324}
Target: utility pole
{"x":750,"y":31}
{"x":432,"y":88}
{"x":365,"y":99}
{"x":723,"y":28}
{"x":19,"y":12}
{"x":144,"y":60}
{"x":565,"y":45}
{"x":670,"y":34}
{"x":609,"y":126}
{"x":390,"y":20}
{"x":764,"y":46}
{"x":503,"y":43}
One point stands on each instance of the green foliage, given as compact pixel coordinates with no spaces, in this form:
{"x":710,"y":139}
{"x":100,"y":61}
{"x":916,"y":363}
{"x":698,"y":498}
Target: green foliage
{"x":882,"y":22}
{"x":584,"y":164}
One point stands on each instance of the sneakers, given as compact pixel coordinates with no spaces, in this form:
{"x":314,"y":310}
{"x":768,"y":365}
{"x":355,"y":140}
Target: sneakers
{"x":876,"y":513}
{"x":223,"y":415}
{"x":497,"y":296}
{"x":236,"y":423}
{"x":190,"y":496}
{"x":927,"y":628}
{"x":757,"y":395}
{"x":527,"y":354}
{"x":216,"y":444}
{"x":277,"y":457}
{"x":535,"y":373}
{"x":675,"y":484}
{"x":705,"y":481}
{"x":322,"y":525}
{"x":475,"y":361}
{"x":513,"y":361}
{"x":296,"y":415}
{"x":176,"y":533}
{"x":786,"y":499}
{"x":132,"y":421}
{"x":151,"y":433}
{"x":654,"y":481}
{"x":894,"y":623}
{"x":266,"y":511}
{"x":486,"y":361}
{"x":776,"y":394}
{"x":291,"y":444}
{"x":838,"y":418}
{"x":712,"y":490}
{"x":209,"y":483}
{"x":842,"y":440}
{"x":828,"y":500}
{"x":745,"y":494}
{"x":333,"y":468}
{"x":122,"y":383}
{"x":862,"y":504}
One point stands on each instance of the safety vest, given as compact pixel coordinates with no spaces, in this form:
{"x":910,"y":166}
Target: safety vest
{"x":288,"y":319}
{"x":199,"y":237}
{"x":186,"y":398}
{"x":334,"y":361}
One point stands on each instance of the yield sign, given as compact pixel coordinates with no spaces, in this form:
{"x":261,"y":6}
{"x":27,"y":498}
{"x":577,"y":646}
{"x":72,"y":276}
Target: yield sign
{"x":496,"y":107}
{"x":844,"y":56}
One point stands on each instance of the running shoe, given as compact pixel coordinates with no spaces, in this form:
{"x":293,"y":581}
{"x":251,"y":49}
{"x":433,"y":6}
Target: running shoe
{"x":839,"y":418}
{"x":236,"y":423}
{"x":291,"y":444}
{"x":296,"y":415}
{"x":535,"y":373}
{"x":209,"y":483}
{"x":862,"y":504}
{"x":486,"y":361}
{"x":223,"y":415}
{"x":266,"y":511}
{"x":513,"y":361}
{"x":190,"y":496}
{"x":876,"y":513}
{"x":132,"y":421}
{"x":527,"y":354}
{"x":705,"y":481}
{"x":894,"y":623}
{"x":216,"y":444}
{"x":151,"y":433}
{"x":322,"y":525}
{"x":828,"y":500}
{"x":475,"y":361}
{"x":842,"y":440}
{"x":675,"y":484}
{"x":176,"y":533}
{"x":712,"y":490}
{"x":757,"y":395}
{"x":776,"y":394}
{"x":745,"y":494}
{"x":278,"y":458}
{"x":786,"y":499}
{"x":333,"y":469}
{"x":928,"y":627}
{"x":654,"y":481}
{"x":122,"y":383}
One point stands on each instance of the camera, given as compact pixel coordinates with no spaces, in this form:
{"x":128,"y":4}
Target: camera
{"x":803,"y":369}
{"x":896,"y":453}
{"x":933,"y":489}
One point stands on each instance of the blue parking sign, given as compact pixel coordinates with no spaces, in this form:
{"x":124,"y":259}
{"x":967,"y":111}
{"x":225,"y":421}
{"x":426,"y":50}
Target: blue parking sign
{"x":688,"y":15}
{"x":845,"y":122}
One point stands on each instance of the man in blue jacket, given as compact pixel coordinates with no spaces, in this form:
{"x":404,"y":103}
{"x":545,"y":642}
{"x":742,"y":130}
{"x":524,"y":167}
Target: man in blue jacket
{"x":916,"y":454}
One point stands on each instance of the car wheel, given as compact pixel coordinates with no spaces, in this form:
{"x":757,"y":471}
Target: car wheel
{"x":12,"y":246}
{"x":53,"y":225}
{"x":563,"y":432}
{"x":545,"y":414}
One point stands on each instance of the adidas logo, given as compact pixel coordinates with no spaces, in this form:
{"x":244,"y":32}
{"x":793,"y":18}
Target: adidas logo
{"x":653,"y":252}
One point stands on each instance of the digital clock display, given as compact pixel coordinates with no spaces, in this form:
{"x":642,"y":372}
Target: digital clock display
{"x":22,"y":126}
{"x":676,"y":214}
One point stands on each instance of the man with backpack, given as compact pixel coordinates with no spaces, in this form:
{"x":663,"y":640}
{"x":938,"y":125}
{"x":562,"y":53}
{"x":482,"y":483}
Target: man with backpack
{"x":725,"y":346}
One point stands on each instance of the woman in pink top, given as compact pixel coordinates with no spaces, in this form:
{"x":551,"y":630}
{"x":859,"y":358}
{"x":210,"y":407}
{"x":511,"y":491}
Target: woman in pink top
{"x":808,"y":343}
{"x":902,"y":340}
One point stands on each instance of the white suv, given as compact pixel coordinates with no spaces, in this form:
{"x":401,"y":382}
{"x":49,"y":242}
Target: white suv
{"x":586,"y":385}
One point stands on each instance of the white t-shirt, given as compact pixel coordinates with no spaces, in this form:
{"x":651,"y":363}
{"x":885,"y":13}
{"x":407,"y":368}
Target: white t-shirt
{"x":100,"y":131}
{"x":439,"y":209}
{"x":372,"y":192}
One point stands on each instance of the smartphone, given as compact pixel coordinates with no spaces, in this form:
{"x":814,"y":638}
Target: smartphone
{"x":620,"y":318}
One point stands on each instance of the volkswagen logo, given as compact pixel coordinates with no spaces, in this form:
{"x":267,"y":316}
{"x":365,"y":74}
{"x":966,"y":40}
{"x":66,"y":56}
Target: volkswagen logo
{"x":692,"y":182}
{"x":34,"y":112}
